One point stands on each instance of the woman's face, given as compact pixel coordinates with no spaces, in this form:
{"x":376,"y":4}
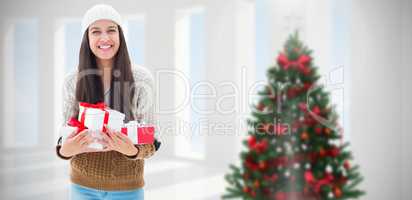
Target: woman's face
{"x":104,"y":39}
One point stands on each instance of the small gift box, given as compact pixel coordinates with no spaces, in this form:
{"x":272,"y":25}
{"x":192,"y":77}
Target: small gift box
{"x":96,"y":116}
{"x":139,"y":133}
{"x":93,"y":116}
{"x":116,"y":120}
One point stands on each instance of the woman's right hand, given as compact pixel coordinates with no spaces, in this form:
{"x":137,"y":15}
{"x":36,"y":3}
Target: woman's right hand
{"x":76,"y":144}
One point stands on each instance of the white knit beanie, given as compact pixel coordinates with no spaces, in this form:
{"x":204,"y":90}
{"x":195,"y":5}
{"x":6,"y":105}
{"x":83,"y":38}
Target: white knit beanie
{"x":100,"y":11}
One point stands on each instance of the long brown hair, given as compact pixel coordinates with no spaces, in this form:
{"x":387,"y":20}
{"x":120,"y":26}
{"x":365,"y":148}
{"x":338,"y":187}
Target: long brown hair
{"x":89,"y":87}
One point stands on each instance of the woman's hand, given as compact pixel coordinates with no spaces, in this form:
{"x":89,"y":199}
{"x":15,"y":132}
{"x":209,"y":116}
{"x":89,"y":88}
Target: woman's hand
{"x":76,"y":144}
{"x":118,"y":142}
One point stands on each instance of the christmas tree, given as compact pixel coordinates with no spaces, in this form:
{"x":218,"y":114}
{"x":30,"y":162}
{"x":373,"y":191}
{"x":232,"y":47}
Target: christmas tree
{"x":294,"y":148}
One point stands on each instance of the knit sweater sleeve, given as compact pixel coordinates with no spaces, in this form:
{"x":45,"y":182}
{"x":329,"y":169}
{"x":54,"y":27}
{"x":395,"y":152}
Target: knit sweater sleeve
{"x":69,"y":107}
{"x":145,"y":96}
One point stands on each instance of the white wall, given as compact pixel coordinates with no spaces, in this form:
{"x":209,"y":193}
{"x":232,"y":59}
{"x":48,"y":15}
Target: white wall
{"x":406,"y":99}
{"x":379,"y":96}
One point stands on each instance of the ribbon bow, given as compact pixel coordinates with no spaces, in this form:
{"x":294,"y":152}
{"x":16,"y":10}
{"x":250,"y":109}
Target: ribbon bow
{"x":73,"y":122}
{"x":300,"y":63}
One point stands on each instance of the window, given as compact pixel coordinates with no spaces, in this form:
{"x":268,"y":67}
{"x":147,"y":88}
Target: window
{"x":190,"y":59}
{"x":339,"y":79}
{"x":135,"y":37}
{"x":21,"y":84}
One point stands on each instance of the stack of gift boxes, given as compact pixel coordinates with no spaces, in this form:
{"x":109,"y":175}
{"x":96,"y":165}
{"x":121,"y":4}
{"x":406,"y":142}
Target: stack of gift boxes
{"x":98,"y":117}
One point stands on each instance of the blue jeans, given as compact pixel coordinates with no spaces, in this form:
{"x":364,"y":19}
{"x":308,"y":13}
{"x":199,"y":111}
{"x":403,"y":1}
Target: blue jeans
{"x":78,"y":192}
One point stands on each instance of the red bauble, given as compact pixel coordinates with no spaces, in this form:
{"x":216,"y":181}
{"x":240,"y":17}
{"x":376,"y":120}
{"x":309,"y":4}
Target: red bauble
{"x":334,"y":152}
{"x":249,"y":163}
{"x":316,"y":110}
{"x":309,"y":120}
{"x":346,"y":165}
{"x":256,"y":184}
{"x":318,"y":130}
{"x":292,"y":92}
{"x":338,"y":192}
{"x":309,"y":178}
{"x":306,"y":70}
{"x":307,"y":86}
{"x":304,"y":136}
{"x":263,"y":165}
{"x":251,"y":142}
{"x":246,"y":189}
{"x":322,"y":152}
{"x":327,"y":131}
{"x":260,"y":106}
{"x":262,"y":146}
{"x":302,"y":106}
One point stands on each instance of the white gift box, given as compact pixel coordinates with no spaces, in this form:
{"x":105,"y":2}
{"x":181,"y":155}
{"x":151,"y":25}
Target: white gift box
{"x":93,"y":118}
{"x":132,"y":131}
{"x":116,"y":120}
{"x":139,"y":133}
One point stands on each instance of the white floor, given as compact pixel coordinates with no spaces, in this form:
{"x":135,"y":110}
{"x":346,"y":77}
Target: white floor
{"x":39,"y":175}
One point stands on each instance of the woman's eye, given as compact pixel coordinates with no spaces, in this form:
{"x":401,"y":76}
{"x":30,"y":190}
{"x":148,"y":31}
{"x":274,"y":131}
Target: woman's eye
{"x":95,"y":32}
{"x":112,"y":31}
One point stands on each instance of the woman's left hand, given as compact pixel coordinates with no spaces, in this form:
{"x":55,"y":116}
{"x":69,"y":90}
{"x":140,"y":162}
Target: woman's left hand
{"x":119,"y":142}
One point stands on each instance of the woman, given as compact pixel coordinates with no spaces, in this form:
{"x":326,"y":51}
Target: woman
{"x":105,"y":74}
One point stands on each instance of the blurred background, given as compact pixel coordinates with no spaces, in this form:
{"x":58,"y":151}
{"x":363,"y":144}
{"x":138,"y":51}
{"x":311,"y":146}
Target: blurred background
{"x":221,"y":50}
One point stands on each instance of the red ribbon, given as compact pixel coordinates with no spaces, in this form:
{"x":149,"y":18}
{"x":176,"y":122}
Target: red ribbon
{"x":100,"y":106}
{"x":73,"y":122}
{"x":145,"y":135}
{"x":300,"y":63}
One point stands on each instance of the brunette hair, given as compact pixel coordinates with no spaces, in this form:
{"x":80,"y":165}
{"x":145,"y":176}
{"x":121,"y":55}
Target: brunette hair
{"x":89,"y":87}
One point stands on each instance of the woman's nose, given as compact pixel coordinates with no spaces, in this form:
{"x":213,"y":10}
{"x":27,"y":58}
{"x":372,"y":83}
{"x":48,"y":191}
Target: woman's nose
{"x":104,"y":36}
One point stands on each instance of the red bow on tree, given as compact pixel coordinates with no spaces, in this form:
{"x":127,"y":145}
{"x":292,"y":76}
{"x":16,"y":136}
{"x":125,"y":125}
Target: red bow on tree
{"x":301,"y":63}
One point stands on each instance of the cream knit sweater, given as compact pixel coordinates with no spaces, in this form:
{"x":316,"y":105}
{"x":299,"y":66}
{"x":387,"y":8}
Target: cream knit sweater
{"x":112,"y":170}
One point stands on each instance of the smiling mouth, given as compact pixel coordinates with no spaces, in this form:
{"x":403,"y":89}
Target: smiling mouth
{"x":104,"y":46}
